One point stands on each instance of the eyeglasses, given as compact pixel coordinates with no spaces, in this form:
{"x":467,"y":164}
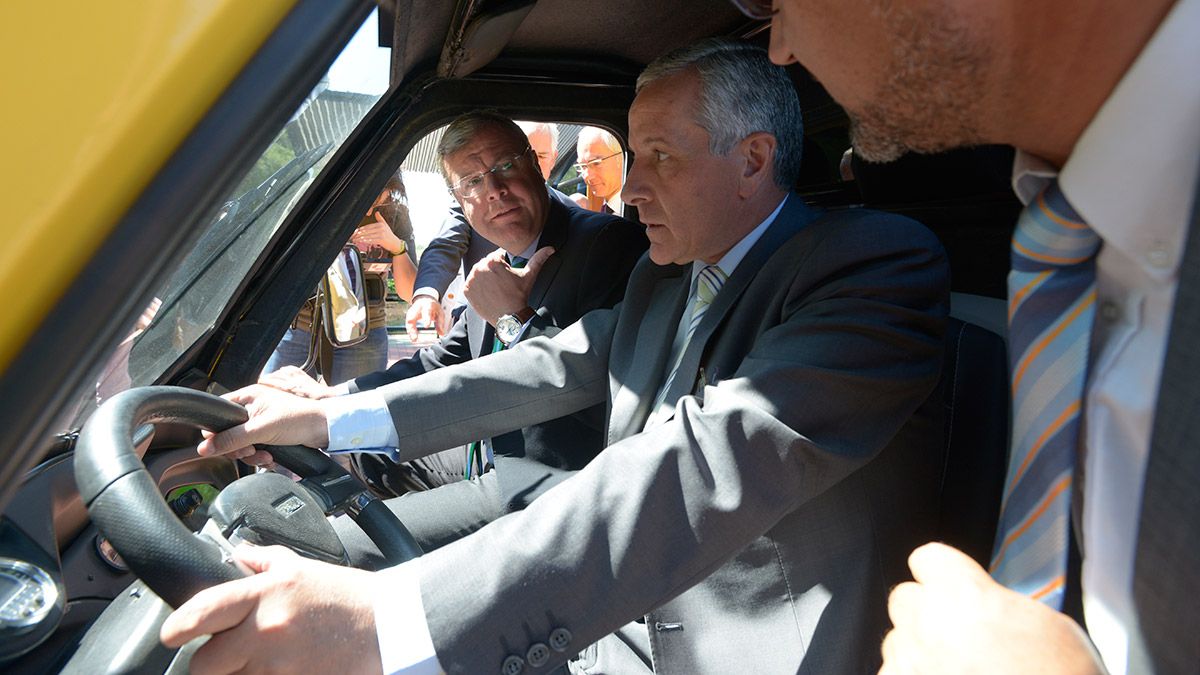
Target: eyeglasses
{"x":594,"y":164}
{"x":756,"y":9}
{"x":472,"y":186}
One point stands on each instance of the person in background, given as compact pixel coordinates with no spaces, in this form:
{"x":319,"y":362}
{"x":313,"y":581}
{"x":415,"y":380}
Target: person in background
{"x":385,"y":240}
{"x":601,"y":164}
{"x":1101,"y":98}
{"x":458,"y":247}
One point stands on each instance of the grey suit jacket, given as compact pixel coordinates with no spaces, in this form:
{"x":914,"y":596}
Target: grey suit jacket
{"x":758,"y":529}
{"x":458,"y":246}
{"x":594,"y":255}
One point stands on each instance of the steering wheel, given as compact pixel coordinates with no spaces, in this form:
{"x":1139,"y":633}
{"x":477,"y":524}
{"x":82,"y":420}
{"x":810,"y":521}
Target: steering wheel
{"x":126,"y":505}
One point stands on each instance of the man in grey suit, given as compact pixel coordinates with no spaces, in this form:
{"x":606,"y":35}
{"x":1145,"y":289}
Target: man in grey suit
{"x":593,"y":255}
{"x":1103,"y":97}
{"x":771,"y":428}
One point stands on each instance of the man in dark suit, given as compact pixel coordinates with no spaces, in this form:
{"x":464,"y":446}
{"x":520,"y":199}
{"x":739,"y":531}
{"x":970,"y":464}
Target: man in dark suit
{"x":592,"y":256}
{"x":772,"y":430}
{"x":458,"y":246}
{"x":1101,"y":98}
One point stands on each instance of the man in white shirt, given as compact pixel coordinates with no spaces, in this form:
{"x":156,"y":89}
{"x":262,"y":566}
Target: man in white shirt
{"x":741,"y":507}
{"x":1105,"y":95}
{"x":600,"y":162}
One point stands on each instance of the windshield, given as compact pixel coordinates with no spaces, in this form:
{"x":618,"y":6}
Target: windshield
{"x":189,"y":304}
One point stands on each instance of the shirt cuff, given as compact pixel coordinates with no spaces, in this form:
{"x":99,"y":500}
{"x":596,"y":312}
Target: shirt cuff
{"x":359,"y":421}
{"x":341,"y":389}
{"x":427,"y":290}
{"x":405,"y":645}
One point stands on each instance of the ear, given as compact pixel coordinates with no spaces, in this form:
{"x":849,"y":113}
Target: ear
{"x":757,"y":152}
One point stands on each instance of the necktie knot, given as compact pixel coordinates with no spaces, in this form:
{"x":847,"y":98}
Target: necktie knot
{"x":1050,"y":234}
{"x":517,"y":262}
{"x":708,"y":284}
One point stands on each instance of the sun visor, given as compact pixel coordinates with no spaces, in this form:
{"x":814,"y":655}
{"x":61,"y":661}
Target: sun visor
{"x":482,"y":39}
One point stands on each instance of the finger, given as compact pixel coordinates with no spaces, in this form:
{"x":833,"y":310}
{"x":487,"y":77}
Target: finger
{"x":537,"y":260}
{"x":223,"y":653}
{"x":904,"y":603}
{"x":260,"y":458}
{"x":441,"y":320}
{"x":410,"y":321}
{"x":938,"y":563}
{"x":225,"y":442}
{"x":211,"y":611}
{"x":895,"y":654}
{"x":379,"y":219}
{"x":263,"y":558}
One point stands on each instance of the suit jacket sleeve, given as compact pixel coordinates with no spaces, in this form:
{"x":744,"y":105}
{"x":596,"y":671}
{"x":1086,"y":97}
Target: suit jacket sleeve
{"x":443,"y":256}
{"x":454,"y":347}
{"x":849,"y":347}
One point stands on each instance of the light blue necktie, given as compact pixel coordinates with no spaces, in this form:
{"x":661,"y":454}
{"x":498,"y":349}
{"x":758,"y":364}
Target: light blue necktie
{"x":708,"y":284}
{"x":1051,"y":304}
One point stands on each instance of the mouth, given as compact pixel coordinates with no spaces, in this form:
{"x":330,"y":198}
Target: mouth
{"x":505,"y":212}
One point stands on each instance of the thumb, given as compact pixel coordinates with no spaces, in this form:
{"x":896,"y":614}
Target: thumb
{"x":410,"y":324}
{"x":263,"y":558}
{"x":379,"y":219}
{"x":938,"y":563}
{"x":537,"y":260}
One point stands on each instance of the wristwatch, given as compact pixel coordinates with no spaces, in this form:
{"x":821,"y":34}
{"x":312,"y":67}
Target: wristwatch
{"x":508,"y":327}
{"x":402,"y":251}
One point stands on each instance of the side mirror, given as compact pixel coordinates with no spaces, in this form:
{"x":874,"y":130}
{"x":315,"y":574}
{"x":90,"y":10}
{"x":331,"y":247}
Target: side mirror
{"x":343,"y":300}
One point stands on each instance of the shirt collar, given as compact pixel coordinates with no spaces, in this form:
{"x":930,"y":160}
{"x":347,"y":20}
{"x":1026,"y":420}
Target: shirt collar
{"x":733,"y":257}
{"x":1132,"y":173}
{"x":527,"y":253}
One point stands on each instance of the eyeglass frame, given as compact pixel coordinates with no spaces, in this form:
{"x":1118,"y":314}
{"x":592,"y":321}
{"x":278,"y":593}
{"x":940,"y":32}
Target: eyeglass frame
{"x":592,"y":164}
{"x":754,"y":8}
{"x":482,"y":175}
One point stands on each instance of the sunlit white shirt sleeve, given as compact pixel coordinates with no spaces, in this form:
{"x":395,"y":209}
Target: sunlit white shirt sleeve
{"x":359,"y":421}
{"x":405,"y":645}
{"x":429,"y":291}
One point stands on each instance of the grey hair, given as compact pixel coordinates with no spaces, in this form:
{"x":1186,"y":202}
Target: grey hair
{"x":741,"y":92}
{"x":589,"y":134}
{"x":464,"y":128}
{"x":530,"y":127}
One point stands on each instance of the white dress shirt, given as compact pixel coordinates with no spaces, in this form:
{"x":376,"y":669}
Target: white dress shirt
{"x":1131,"y":177}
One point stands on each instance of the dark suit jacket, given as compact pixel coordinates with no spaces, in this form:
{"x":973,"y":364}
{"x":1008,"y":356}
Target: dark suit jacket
{"x":458,"y":246}
{"x":759,"y":528}
{"x":594,"y":256}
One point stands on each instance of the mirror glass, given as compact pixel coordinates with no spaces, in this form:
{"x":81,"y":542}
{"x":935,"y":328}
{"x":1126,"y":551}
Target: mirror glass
{"x":344,"y":300}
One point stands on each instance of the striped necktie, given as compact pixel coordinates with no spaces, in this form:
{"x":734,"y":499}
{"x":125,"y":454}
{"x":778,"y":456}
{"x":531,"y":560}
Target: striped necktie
{"x":708,"y":284}
{"x":1051,"y":304}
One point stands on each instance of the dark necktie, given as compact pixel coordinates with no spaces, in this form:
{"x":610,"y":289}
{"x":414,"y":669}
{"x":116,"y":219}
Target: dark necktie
{"x":1051,"y":304}
{"x":475,"y":458}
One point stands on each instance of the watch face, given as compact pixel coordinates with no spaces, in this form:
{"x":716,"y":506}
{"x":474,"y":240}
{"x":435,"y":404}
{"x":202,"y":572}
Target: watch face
{"x":507,"y":328}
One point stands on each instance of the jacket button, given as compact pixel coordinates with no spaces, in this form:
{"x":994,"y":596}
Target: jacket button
{"x":512,"y":665}
{"x":559,"y":639}
{"x":538,"y":655}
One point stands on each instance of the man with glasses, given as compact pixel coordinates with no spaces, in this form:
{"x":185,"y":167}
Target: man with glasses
{"x":600,"y":163}
{"x":554,"y":264}
{"x":458,"y":246}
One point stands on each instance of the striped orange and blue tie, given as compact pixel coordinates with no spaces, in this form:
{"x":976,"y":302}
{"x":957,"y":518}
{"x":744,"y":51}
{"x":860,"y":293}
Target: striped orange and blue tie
{"x":1051,"y":304}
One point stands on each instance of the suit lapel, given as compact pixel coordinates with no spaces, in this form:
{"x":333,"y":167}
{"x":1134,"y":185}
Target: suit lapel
{"x":646,"y":358}
{"x":554,"y":234}
{"x":791,"y":218}
{"x":1166,"y":580}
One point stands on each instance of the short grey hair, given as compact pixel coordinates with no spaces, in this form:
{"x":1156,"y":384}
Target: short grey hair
{"x":589,"y":134}
{"x":464,"y":128}
{"x":741,"y":92}
{"x":530,"y":127}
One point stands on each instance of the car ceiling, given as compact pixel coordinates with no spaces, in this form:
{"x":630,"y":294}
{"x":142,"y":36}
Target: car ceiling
{"x":461,"y":37}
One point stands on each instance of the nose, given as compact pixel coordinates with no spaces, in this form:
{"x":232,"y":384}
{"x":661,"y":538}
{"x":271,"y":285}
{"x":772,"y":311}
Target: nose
{"x":635,"y":191}
{"x":779,"y":51}
{"x":494,"y":186}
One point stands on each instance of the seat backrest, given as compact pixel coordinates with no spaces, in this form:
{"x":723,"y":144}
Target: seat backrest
{"x":975,"y":390}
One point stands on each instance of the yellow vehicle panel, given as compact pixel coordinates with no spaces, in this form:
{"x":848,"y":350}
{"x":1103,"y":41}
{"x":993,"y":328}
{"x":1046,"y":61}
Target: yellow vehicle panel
{"x":88,"y":121}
